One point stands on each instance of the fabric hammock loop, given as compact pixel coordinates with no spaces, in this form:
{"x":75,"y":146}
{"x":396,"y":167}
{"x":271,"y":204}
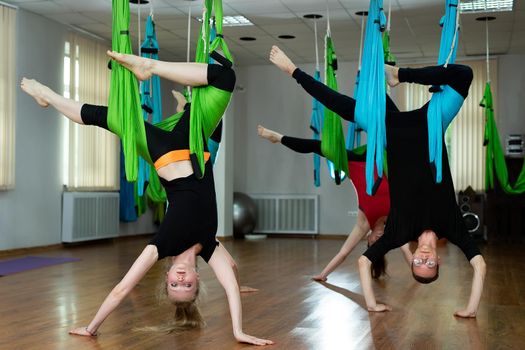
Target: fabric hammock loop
{"x":124,"y":32}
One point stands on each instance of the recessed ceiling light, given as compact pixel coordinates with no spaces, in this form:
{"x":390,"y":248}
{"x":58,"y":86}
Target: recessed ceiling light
{"x":232,"y":21}
{"x":313,"y":16}
{"x":361,"y":13}
{"x":286,"y":36}
{"x":139,"y":2}
{"x":247,"y":38}
{"x":474,"y":6}
{"x":485,"y":18}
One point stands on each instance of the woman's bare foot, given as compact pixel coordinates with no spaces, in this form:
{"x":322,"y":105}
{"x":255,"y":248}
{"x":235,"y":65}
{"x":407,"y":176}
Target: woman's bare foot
{"x":139,"y":66}
{"x":181,"y":100}
{"x":391,"y":74}
{"x":268,"y":134}
{"x":36,"y":90}
{"x":319,"y":278}
{"x":282,"y":61}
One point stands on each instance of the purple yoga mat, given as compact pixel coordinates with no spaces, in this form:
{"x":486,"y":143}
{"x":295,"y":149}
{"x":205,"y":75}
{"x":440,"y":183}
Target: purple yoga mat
{"x":10,"y":267}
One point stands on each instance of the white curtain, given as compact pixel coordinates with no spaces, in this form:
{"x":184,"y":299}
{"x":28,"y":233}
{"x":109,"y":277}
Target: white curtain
{"x":91,"y":153}
{"x":7,"y":98}
{"x":464,"y":137}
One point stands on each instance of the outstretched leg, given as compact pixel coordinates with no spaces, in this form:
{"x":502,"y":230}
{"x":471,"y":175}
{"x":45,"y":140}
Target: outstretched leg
{"x":184,"y":73}
{"x":45,"y":97}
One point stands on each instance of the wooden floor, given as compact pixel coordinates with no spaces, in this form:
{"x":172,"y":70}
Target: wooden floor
{"x":38,"y":307}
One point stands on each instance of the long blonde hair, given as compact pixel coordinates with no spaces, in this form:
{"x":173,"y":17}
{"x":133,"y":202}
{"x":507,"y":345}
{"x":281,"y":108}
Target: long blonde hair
{"x":186,"y":314}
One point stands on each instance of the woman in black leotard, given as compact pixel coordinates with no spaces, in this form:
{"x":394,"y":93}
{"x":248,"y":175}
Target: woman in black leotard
{"x":420,"y":208}
{"x":190,"y":223}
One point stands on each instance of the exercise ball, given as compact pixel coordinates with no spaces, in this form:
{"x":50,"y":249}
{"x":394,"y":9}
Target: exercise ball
{"x":244,"y":214}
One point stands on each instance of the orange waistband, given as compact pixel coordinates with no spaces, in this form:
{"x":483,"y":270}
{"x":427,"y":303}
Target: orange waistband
{"x":175,"y":156}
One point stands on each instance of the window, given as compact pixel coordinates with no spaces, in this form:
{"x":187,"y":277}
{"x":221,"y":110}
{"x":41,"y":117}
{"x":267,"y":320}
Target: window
{"x":7,"y":98}
{"x":91,"y":154}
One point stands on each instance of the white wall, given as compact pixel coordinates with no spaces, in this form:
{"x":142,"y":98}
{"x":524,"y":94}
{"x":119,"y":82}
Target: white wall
{"x":276,"y":101}
{"x":511,"y":95}
{"x":30,"y":215}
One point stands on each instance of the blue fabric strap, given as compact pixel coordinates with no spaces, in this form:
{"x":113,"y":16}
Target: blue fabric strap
{"x":445,"y":102}
{"x":316,"y":122}
{"x":370,"y":102}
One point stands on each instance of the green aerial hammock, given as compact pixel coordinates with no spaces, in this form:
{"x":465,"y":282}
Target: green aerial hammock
{"x":124,"y":110}
{"x":208,"y":102}
{"x":333,"y":140}
{"x":495,"y":158}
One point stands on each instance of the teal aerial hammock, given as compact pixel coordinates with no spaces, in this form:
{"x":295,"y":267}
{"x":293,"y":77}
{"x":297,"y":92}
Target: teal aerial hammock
{"x":445,"y":102}
{"x":151,"y":97}
{"x":353,"y":135}
{"x":316,"y":120}
{"x":332,"y":136}
{"x":370,"y":102}
{"x":495,"y":159}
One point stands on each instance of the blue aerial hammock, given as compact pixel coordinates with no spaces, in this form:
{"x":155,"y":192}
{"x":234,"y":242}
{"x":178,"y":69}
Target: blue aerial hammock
{"x":316,"y":120}
{"x":370,"y":102}
{"x":445,"y":102}
{"x":353,"y":136}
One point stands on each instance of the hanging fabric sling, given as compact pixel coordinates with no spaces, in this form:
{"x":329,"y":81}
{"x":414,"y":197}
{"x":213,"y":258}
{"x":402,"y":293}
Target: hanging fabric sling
{"x":124,"y":108}
{"x":371,"y":101}
{"x":389,"y":57}
{"x":208,"y":102}
{"x":353,"y":136}
{"x":494,"y":156}
{"x":445,"y":102}
{"x":151,"y":99}
{"x":316,"y":119}
{"x":124,"y":116}
{"x":332,"y":136}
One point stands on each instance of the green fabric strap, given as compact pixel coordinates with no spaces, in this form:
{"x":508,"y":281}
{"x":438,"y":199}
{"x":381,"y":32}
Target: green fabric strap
{"x":332,"y":137}
{"x":495,"y":159}
{"x":124,"y":110}
{"x":389,"y":57}
{"x":208,"y":103}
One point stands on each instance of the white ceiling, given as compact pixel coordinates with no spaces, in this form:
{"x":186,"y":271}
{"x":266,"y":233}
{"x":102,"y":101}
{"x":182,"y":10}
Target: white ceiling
{"x":414,"y":32}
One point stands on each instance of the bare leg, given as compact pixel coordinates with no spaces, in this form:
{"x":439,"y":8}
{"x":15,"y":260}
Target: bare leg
{"x":392,"y":76}
{"x":192,"y":74}
{"x":282,"y":61}
{"x":44,"y":96}
{"x":268,"y":134}
{"x":360,"y":229}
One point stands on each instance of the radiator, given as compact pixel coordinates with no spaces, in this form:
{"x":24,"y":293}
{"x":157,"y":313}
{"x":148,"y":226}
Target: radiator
{"x":89,"y":215}
{"x":290,"y":214}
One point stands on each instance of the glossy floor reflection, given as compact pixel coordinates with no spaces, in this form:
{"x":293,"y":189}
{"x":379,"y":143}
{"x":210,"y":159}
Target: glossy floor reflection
{"x":40,"y":306}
